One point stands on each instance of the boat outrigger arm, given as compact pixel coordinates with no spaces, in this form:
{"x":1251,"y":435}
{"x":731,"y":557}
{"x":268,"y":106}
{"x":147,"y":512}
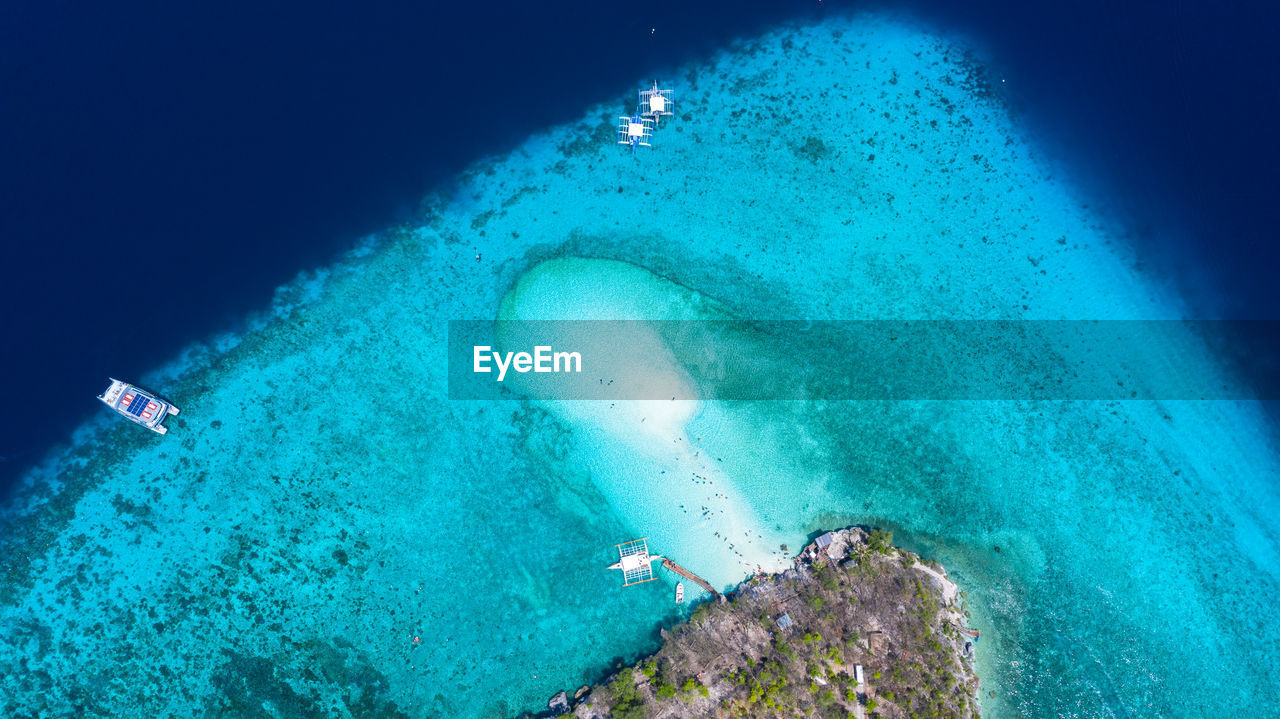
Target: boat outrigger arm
{"x":137,"y":405}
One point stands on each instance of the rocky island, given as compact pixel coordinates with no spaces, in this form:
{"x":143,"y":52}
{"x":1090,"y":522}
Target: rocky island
{"x":858,"y":628}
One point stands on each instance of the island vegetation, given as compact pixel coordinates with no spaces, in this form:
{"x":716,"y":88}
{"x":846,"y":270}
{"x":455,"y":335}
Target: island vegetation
{"x":858,"y":628}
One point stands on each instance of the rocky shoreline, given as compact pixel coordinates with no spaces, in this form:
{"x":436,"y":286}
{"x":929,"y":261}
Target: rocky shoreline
{"x":857,"y":628}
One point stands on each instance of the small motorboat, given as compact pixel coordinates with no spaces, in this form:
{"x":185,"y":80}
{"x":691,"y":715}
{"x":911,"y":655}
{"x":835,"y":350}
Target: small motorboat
{"x":138,"y":405}
{"x":679,"y":592}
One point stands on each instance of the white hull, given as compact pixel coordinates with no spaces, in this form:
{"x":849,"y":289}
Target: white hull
{"x":138,"y":405}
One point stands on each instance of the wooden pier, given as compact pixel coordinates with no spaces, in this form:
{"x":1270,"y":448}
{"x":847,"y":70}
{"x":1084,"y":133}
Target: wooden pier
{"x":692,"y":577}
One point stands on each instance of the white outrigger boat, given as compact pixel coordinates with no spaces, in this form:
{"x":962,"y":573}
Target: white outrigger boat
{"x":137,"y":405}
{"x":637,"y":130}
{"x":656,"y":103}
{"x":679,"y":592}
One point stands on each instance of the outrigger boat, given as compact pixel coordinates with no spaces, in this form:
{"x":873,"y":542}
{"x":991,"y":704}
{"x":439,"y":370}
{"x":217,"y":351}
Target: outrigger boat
{"x":656,"y":103}
{"x":679,"y":592}
{"x":138,"y":406}
{"x":635,"y":131}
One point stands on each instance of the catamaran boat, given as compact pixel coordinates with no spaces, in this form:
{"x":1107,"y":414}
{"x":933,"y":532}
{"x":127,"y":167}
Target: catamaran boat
{"x":679,"y":592}
{"x":138,"y":406}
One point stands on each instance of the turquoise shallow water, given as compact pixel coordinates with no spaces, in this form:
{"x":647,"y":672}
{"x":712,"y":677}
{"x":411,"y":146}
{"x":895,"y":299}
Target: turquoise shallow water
{"x":324,"y":531}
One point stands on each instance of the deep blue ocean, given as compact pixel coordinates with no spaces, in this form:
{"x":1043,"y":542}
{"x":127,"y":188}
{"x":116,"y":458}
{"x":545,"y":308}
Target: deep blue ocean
{"x":165,"y":167}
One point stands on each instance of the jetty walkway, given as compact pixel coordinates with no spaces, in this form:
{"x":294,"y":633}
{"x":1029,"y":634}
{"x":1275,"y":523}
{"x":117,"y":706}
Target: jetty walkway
{"x":692,"y":577}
